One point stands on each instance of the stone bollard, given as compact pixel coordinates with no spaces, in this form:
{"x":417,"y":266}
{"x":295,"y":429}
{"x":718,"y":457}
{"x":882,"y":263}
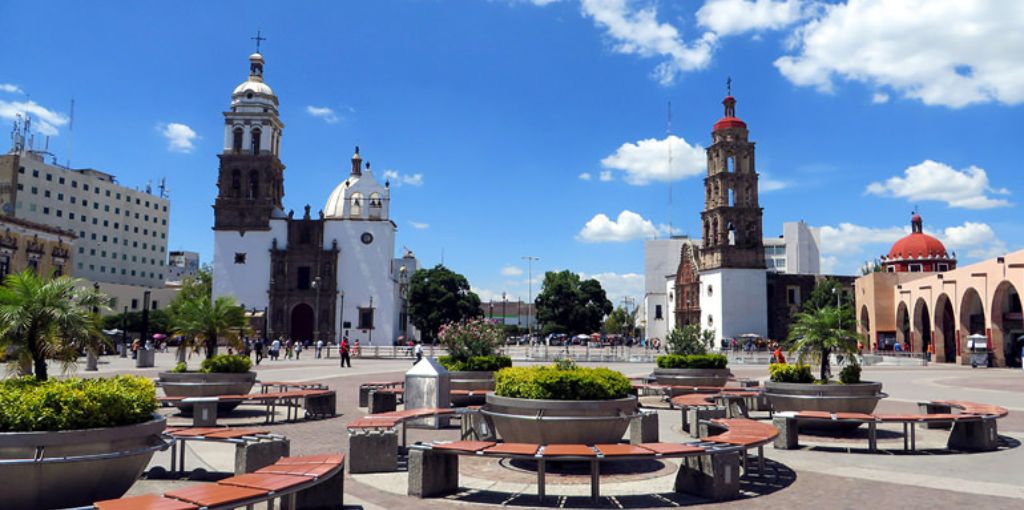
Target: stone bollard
{"x":715,"y":477}
{"x":789,"y":437}
{"x":695,"y":415}
{"x":432,"y":474}
{"x":644,"y":428}
{"x":974,"y":436}
{"x":204,"y":411}
{"x":930,"y":408}
{"x":322,"y":405}
{"x":372,"y":451}
{"x":252,"y":456}
{"x":382,"y":401}
{"x":364,"y":395}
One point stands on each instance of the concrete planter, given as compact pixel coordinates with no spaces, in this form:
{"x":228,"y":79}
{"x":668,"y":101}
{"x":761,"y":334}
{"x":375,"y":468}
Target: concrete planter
{"x":473,"y":381}
{"x":198,"y":384}
{"x":716,"y":377}
{"x":849,"y":398}
{"x":82,"y":478}
{"x":521,"y":420}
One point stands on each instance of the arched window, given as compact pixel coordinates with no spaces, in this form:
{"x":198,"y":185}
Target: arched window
{"x":707,"y":232}
{"x":356,"y":208}
{"x":732,"y":234}
{"x":732,"y":198}
{"x":256,"y":135}
{"x":236,"y":143}
{"x":730,"y":163}
{"x":714,"y":230}
{"x":254,"y":184}
{"x":236,"y":182}
{"x":375,"y":205}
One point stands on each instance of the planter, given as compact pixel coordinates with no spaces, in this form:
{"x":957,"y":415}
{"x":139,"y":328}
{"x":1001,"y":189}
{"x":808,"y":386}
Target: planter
{"x":836,"y":398}
{"x":473,"y":381}
{"x":104,"y":464}
{"x":716,"y":377}
{"x":521,"y":420}
{"x":198,"y":384}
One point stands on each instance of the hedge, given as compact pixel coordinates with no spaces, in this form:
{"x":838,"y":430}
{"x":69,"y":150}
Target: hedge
{"x":850,"y":374}
{"x":782,"y":372}
{"x":692,"y":361}
{"x":27,"y":405}
{"x":475,"y":363}
{"x":226,"y":364}
{"x":550,"y":383}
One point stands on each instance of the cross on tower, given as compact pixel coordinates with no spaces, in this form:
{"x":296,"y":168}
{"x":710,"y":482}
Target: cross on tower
{"x":728,"y":86}
{"x":258,"y":40}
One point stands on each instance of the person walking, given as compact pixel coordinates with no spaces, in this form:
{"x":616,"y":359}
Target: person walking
{"x":319,"y":348}
{"x":418,"y":351}
{"x":298,"y":349}
{"x":343,"y":351}
{"x":257,"y":347}
{"x":275,"y":349}
{"x":355,"y":349}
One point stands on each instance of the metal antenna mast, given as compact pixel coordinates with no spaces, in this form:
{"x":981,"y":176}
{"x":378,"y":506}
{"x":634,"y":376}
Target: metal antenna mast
{"x":71,"y":131}
{"x":668,"y":139}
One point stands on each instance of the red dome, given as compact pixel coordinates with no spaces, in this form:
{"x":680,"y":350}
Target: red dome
{"x":918,"y":245}
{"x":729,"y":122}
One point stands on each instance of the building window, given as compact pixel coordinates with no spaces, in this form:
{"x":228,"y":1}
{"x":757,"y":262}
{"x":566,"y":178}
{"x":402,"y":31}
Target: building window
{"x":239,"y":258}
{"x":304,"y":278}
{"x":915,"y":268}
{"x":943,"y":267}
{"x":793,"y":295}
{"x":365,"y":318}
{"x":135,"y":301}
{"x":33,"y":264}
{"x":256,"y":135}
{"x":35,"y":173}
{"x":5,"y":266}
{"x":61,"y":180}
{"x":236,"y":143}
{"x":657,"y":312}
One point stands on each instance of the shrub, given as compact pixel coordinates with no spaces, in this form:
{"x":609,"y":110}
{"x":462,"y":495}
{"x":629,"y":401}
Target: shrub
{"x":565,"y":364}
{"x":781,"y":372}
{"x":550,"y":383}
{"x":689,"y":339}
{"x":850,"y":374}
{"x":467,"y":339}
{"x":226,"y":364}
{"x":692,"y":361}
{"x":475,"y":363}
{"x":27,"y":405}
{"x":181,"y":367}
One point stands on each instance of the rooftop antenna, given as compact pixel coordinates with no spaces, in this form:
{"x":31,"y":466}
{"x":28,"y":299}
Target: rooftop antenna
{"x":668,"y":138}
{"x":164,"y":192}
{"x":71,"y":127}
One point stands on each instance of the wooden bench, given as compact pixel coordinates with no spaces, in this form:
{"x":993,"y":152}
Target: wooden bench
{"x":316,"y":402}
{"x":711,"y":466}
{"x":315,"y":481}
{"x":373,"y":440}
{"x":252,"y":445}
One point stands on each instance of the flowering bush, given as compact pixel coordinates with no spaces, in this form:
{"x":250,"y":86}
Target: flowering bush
{"x":471,"y":338}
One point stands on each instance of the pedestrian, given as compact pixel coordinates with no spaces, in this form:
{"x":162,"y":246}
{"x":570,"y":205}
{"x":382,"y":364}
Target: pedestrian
{"x":931,"y":350}
{"x":135,"y":348}
{"x":288,"y":345}
{"x":343,"y":351}
{"x":319,"y":348}
{"x":257,"y":346}
{"x":275,"y":349}
{"x":898,"y":347}
{"x":418,"y":350}
{"x":298,"y":350}
{"x":356,"y":350}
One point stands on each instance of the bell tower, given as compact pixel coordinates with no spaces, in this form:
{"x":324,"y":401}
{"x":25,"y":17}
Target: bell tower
{"x":251,"y":181}
{"x":731,"y":221}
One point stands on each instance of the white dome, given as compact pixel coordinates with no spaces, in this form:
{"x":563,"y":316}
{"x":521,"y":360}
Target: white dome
{"x":256,"y":87}
{"x":335,"y":208}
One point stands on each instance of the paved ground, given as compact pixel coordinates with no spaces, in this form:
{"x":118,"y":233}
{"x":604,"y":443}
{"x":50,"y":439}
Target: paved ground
{"x":835,"y":474}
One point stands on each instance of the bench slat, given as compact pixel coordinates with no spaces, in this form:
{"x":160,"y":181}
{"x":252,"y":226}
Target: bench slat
{"x":146,"y":502}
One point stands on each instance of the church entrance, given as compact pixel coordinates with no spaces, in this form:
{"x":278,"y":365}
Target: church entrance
{"x":302,"y":322}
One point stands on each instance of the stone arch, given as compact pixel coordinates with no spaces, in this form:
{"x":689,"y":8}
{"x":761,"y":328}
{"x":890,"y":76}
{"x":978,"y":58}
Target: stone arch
{"x":922,"y":327}
{"x":902,"y":323}
{"x":356,"y":206}
{"x":1007,"y":325}
{"x":255,"y":140}
{"x":865,"y":322}
{"x":253,"y":190}
{"x":236,"y":140}
{"x":944,"y":331}
{"x":236,"y":182}
{"x":972,"y":315}
{"x":376,"y":205}
{"x":301,"y":324}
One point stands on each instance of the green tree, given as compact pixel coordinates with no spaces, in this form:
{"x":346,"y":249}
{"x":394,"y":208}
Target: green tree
{"x":567,"y":305}
{"x":620,"y":322}
{"x":689,"y":339}
{"x":826,"y":293}
{"x":159,"y":321}
{"x":440,"y":296}
{"x":48,"y":318}
{"x":204,"y":321}
{"x":817,"y":333}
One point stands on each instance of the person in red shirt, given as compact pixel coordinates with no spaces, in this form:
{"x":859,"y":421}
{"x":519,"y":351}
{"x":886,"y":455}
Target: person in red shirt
{"x":343,"y":350}
{"x":777,"y":355}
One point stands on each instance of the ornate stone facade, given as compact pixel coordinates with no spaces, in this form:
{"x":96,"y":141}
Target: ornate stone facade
{"x":687,"y":286}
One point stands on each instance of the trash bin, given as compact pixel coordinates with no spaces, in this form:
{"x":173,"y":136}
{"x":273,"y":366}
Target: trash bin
{"x":146,"y":358}
{"x":427,"y":385}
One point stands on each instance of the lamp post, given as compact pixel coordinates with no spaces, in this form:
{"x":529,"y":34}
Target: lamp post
{"x":91,"y":354}
{"x":403,"y":285}
{"x":316,"y":311}
{"x":145,"y":318}
{"x":529,"y":313}
{"x":124,"y":333}
{"x":370,"y":339}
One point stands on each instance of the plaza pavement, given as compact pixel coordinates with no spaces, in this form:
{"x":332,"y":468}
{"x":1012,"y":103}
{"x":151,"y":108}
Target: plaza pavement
{"x":806,"y":478}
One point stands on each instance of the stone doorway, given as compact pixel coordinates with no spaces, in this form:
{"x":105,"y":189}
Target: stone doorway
{"x":302,"y":322}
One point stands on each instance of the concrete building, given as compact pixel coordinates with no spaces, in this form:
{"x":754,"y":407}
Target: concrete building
{"x":181,"y":264}
{"x":510,"y":313}
{"x":661,"y":258}
{"x":28,"y":245}
{"x":121,"y":232}
{"x":320,"y":275}
{"x":796,"y":251}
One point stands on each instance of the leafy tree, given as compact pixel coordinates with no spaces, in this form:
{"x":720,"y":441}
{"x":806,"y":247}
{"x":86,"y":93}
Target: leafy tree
{"x":43,"y":318}
{"x":817,"y":333}
{"x":159,"y":321}
{"x":204,"y":321}
{"x":824,"y":295}
{"x":440,"y":296}
{"x":567,"y":305}
{"x":689,"y":339}
{"x":620,"y":322}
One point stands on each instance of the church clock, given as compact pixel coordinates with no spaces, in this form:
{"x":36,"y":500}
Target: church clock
{"x":366,"y":238}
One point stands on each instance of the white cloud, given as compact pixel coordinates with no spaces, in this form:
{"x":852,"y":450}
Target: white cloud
{"x":766,"y":184}
{"x":398,"y":179}
{"x":179,"y":136}
{"x":323,"y":112}
{"x":941,"y":52}
{"x":637,"y":31}
{"x":605,"y":176}
{"x":849,"y":238}
{"x":628,"y":226}
{"x":729,"y":17}
{"x":619,"y":285}
{"x":419,"y":226}
{"x":585,"y":176}
{"x":44,"y":120}
{"x":647,"y":160}
{"x":511,"y":271}
{"x":11,"y":88}
{"x":880,"y":98}
{"x":976,"y":240}
{"x":930,"y":180}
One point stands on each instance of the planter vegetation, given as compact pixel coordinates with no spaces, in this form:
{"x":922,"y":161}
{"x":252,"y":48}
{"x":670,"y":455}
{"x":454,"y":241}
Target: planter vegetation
{"x":104,"y":431}
{"x":225,"y":374}
{"x":473,"y":358}
{"x":547,"y":404}
{"x":688,"y":362}
{"x":793,"y":388}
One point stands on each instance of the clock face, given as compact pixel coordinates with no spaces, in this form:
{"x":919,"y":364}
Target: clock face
{"x":366,"y":238}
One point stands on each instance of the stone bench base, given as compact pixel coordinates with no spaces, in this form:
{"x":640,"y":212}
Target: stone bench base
{"x":432,"y":474}
{"x":374,"y":451}
{"x":644,"y":429}
{"x":382,"y":402}
{"x":252,"y":456}
{"x":974,"y":436}
{"x":714,"y":477}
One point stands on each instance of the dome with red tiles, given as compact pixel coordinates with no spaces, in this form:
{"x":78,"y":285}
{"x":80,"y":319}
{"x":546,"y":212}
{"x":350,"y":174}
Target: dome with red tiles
{"x":917,"y":245}
{"x":729,"y":120}
{"x":918,"y":252}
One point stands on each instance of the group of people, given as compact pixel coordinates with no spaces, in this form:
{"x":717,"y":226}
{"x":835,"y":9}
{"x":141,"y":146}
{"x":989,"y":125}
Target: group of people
{"x":273,"y":349}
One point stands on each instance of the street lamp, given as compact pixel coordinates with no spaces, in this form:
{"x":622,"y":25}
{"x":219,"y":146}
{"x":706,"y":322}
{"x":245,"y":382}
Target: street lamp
{"x":124,"y":332}
{"x":403,"y":290}
{"x":316,"y":311}
{"x":145,"y":318}
{"x":370,"y":339}
{"x":529,"y":323}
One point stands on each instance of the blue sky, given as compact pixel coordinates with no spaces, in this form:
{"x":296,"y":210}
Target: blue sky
{"x":513,"y":126}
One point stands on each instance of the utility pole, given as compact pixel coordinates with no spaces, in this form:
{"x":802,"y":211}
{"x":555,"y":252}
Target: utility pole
{"x":529,"y":313}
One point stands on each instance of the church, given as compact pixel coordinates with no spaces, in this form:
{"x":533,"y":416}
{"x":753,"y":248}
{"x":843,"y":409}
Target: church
{"x":315,"y":275}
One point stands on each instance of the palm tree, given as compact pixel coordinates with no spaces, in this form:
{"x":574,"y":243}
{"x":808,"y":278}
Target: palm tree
{"x":203,"y":321}
{"x":48,"y":318}
{"x":820,"y":332}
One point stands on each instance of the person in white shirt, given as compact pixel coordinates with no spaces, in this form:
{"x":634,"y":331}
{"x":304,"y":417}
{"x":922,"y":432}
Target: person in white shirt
{"x":319,"y":348}
{"x":418,"y":352}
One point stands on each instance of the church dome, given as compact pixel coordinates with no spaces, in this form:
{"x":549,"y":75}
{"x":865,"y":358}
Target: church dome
{"x":359,"y":196}
{"x":730,"y":120}
{"x":918,"y":245}
{"x":918,"y":251}
{"x":256,"y":87}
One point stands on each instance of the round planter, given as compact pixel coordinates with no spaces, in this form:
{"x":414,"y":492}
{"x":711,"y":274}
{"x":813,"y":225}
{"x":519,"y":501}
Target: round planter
{"x":522,"y":420}
{"x":82,"y":479}
{"x":198,"y":384}
{"x":475,"y":381}
{"x":836,"y":398}
{"x":715,"y":377}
